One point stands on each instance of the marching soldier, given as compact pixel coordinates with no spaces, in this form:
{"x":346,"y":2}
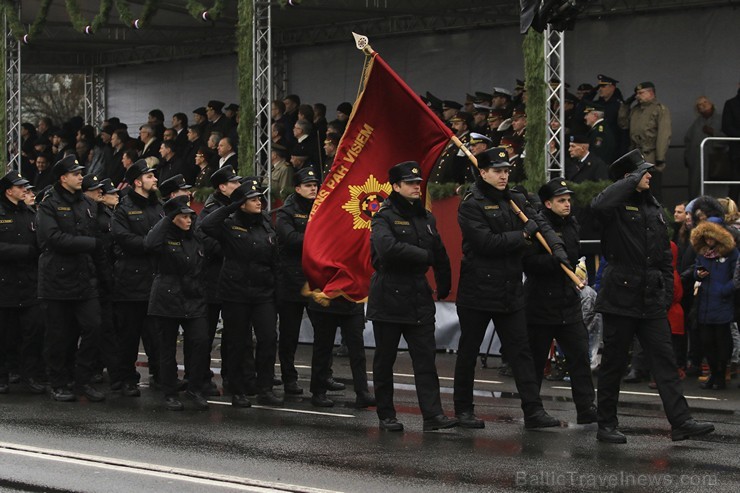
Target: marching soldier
{"x":133,"y":273}
{"x":636,"y":290}
{"x":554,"y":304}
{"x":246,"y":289}
{"x":494,"y":242}
{"x":19,"y":305}
{"x":404,"y":243}
{"x":177,"y":299}
{"x":70,"y":265}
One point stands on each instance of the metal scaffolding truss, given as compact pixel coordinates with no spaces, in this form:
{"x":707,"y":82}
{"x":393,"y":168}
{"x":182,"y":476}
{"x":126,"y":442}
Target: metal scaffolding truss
{"x":262,"y":89}
{"x":555,"y":109}
{"x":12,"y":96}
{"x":95,"y":97}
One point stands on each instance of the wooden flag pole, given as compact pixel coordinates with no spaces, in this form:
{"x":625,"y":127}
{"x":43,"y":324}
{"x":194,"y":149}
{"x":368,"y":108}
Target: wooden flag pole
{"x":579,"y":284}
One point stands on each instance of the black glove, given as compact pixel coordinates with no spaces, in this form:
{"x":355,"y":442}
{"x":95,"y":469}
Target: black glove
{"x":442,"y":292}
{"x":630,"y":100}
{"x":531,"y":228}
{"x":559,"y":253}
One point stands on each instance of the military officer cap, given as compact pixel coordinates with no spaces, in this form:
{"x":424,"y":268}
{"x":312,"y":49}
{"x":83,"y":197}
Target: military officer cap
{"x":578,"y":139}
{"x":496,"y":157}
{"x":43,"y":193}
{"x":481,"y":108}
{"x":305,"y":175}
{"x":585,"y":87}
{"x":519,"y":84}
{"x":108,"y":187}
{"x":280,"y":150}
{"x":232,"y":107}
{"x":224,"y":175}
{"x":554,"y":81}
{"x":626,"y":164}
{"x":13,"y":178}
{"x":179,"y":204}
{"x":67,"y":164}
{"x":482,"y":96}
{"x":463,"y":116}
{"x":451,"y":105}
{"x":594,"y":106}
{"x":476,"y":138}
{"x":644,"y":85}
{"x":345,"y":108}
{"x":519,"y":111}
{"x":91,"y":182}
{"x":469,"y":98}
{"x":434,"y":102}
{"x":170,"y":185}
{"x":571,"y":98}
{"x":248,"y":189}
{"x":331,"y":138}
{"x":215,"y":105}
{"x":501,"y":92}
{"x":140,"y":167}
{"x":553,"y":188}
{"x":606,"y":80}
{"x":496,"y":113}
{"x":201,"y":110}
{"x":425,"y":100}
{"x":405,"y":171}
{"x":512,"y":141}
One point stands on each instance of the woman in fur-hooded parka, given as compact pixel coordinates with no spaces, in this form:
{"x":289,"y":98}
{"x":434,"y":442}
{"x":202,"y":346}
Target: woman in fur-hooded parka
{"x":716,"y":257}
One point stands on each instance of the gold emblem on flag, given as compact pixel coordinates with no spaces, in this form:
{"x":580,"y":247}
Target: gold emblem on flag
{"x":365,"y":200}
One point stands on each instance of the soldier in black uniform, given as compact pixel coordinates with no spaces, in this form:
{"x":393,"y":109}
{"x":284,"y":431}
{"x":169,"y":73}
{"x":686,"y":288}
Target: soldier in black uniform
{"x":453,"y":164}
{"x":224,"y":181}
{"x":19,"y":305}
{"x":247,"y":288}
{"x":133,"y":273}
{"x":177,"y":299}
{"x":636,"y":290}
{"x":494,"y":242}
{"x":290,"y":225}
{"x":404,"y":243}
{"x":173,"y":187}
{"x":601,"y":138}
{"x":70,"y":265}
{"x":554,"y":303}
{"x":582,"y":164}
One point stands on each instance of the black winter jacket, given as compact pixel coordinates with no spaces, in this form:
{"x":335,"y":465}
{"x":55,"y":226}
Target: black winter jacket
{"x":133,"y":271}
{"x":249,"y":245}
{"x":19,"y":255}
{"x":71,"y":253}
{"x":404,"y":243}
{"x":177,"y":290}
{"x":493,"y":247}
{"x":214,"y":257}
{"x":638,"y":281}
{"x":552,"y":298}
{"x":290,"y":225}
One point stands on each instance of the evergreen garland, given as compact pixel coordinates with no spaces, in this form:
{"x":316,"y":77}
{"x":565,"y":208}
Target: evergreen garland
{"x":123,"y":12}
{"x":534,"y":73}
{"x":78,"y":20}
{"x":38,"y":23}
{"x":197,"y":9}
{"x":11,"y":15}
{"x":3,"y":129}
{"x":245,"y":130}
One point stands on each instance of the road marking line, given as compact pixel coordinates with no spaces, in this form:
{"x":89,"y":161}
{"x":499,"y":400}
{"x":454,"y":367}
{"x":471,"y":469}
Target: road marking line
{"x":653,"y":394}
{"x":176,"y":473}
{"x":289,"y":410}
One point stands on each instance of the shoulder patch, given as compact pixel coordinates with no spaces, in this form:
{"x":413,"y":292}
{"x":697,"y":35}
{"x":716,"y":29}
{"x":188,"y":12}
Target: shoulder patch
{"x":631,"y":208}
{"x":64,"y":209}
{"x":6,"y":221}
{"x":174,"y":243}
{"x":135,"y":212}
{"x":301,"y":216}
{"x":402,"y":223}
{"x":491,"y":207}
{"x":239,"y":228}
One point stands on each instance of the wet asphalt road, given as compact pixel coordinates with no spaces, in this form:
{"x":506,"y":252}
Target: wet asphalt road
{"x":134,"y":444}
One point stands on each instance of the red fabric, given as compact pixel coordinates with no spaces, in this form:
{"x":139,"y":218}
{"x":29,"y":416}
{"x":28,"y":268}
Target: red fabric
{"x":675,"y":312}
{"x":445,"y":212}
{"x":389,"y":124}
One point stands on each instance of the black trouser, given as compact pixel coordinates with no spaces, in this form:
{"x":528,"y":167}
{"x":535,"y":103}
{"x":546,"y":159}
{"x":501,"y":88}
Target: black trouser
{"x":214,"y":310}
{"x":108,"y":343}
{"x":67,"y":322}
{"x":133,"y":324}
{"x":245,"y":362}
{"x":655,"y":338}
{"x":325,"y":326}
{"x":24,"y":325}
{"x":573,"y":339}
{"x":422,"y":348}
{"x":717,"y":341}
{"x":639,"y":362}
{"x":196,"y":337}
{"x":512,"y":330}
{"x":290,"y":316}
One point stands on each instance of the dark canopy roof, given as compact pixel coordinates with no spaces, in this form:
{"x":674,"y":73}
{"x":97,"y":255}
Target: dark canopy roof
{"x":173,"y":33}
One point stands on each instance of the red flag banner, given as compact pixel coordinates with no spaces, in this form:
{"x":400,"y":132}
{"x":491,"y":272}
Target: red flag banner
{"x":389,"y":124}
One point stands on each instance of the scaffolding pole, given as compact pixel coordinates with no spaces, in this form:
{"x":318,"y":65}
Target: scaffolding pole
{"x":555,"y":145}
{"x":262,"y":91}
{"x":95,"y":102}
{"x":12,"y":95}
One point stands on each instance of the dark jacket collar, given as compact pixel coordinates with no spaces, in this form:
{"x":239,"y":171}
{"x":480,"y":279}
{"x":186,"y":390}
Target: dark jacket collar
{"x":405,"y":208}
{"x":66,"y":195}
{"x":141,"y":201}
